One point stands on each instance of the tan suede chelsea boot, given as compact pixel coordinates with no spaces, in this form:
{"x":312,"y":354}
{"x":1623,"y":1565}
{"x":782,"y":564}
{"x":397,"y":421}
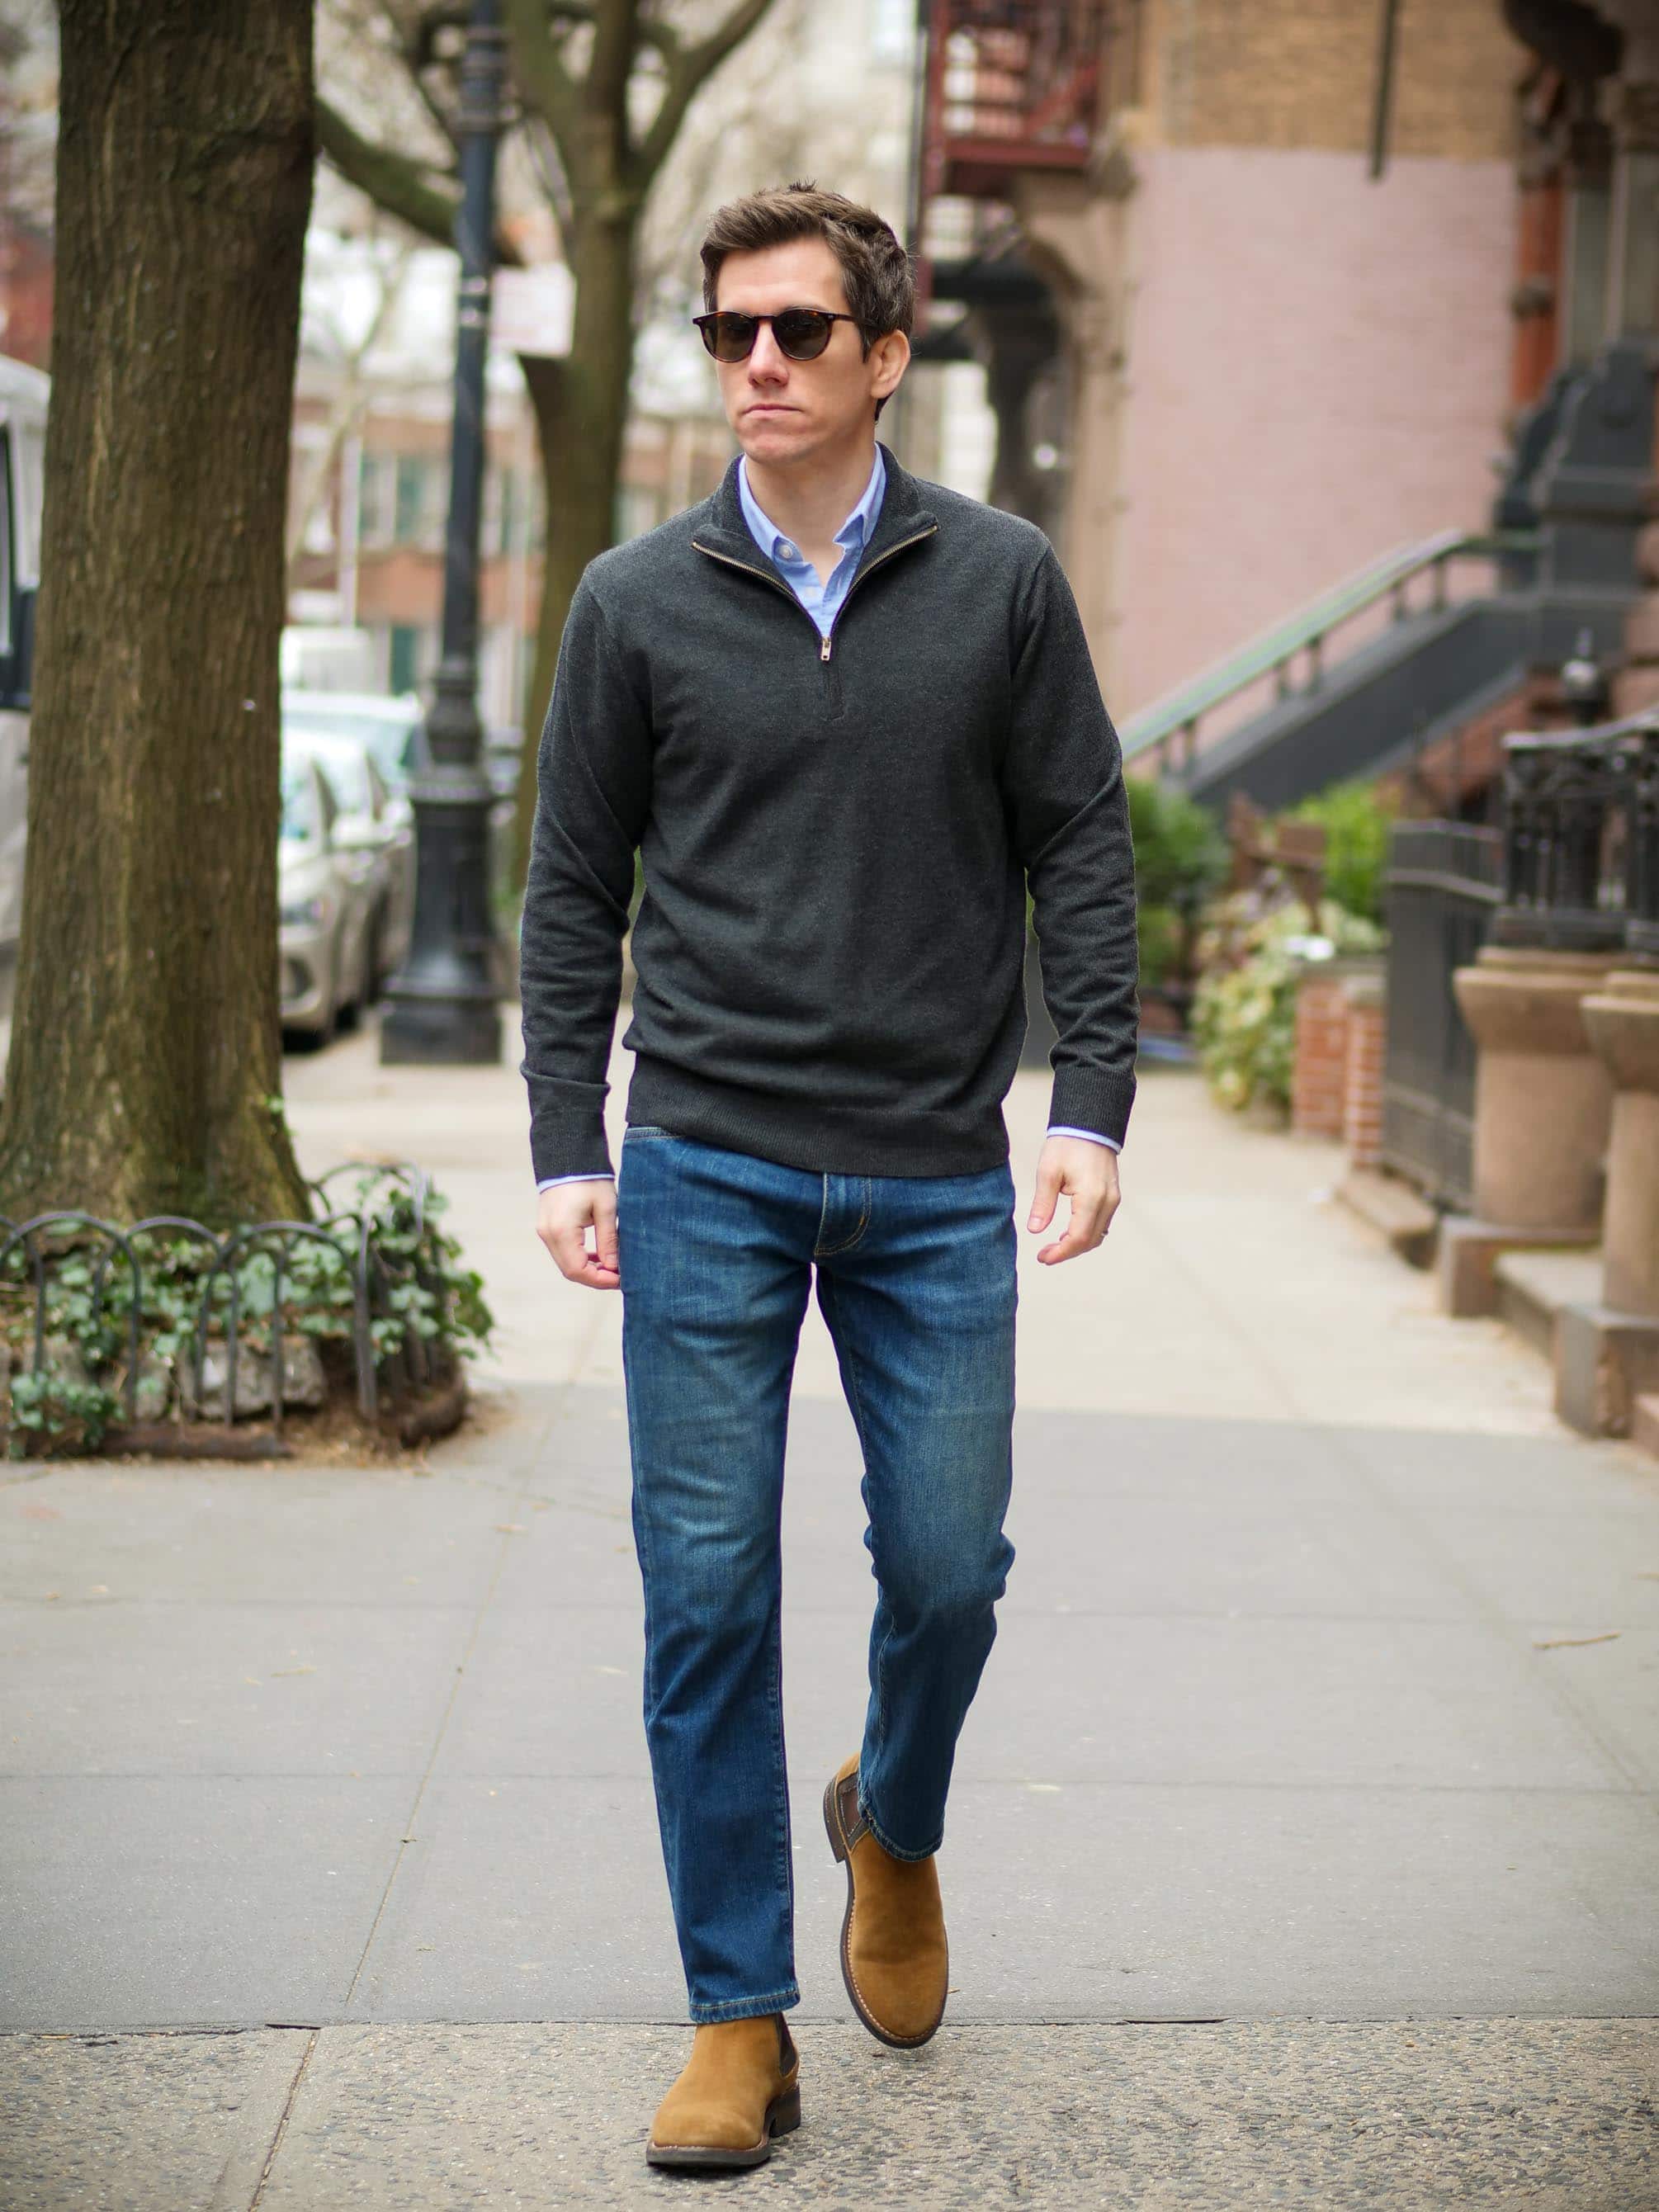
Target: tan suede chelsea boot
{"x":894,"y":1958}
{"x":741,"y":2087}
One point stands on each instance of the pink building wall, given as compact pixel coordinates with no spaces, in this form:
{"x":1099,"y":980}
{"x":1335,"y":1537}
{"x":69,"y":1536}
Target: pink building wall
{"x":1316,"y":367}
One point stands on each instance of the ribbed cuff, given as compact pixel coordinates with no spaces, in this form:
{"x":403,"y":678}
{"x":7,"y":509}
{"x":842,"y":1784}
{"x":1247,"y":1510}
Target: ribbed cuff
{"x":1090,"y":1098}
{"x":567,"y":1128}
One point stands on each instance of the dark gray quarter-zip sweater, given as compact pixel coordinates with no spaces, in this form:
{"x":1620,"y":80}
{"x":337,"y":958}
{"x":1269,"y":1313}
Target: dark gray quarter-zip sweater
{"x":835,"y":835}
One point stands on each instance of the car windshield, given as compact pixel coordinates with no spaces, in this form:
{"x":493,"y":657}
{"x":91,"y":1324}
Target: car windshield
{"x":344,"y":762}
{"x":300,"y":824}
{"x":390,"y":737}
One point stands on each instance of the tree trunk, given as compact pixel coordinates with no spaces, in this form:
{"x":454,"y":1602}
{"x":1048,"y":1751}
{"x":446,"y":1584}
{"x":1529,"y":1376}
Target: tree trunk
{"x":145,"y":1059}
{"x":581,"y":412}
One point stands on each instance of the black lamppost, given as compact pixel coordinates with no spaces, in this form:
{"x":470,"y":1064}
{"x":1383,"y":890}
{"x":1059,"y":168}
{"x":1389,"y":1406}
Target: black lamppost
{"x":442,"y":1002}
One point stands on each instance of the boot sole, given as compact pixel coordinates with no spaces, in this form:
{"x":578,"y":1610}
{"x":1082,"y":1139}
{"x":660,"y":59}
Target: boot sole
{"x":843,"y":1857}
{"x":782,"y":2118}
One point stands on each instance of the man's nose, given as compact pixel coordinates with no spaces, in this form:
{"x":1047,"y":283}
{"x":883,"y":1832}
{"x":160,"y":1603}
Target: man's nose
{"x":766,"y":360}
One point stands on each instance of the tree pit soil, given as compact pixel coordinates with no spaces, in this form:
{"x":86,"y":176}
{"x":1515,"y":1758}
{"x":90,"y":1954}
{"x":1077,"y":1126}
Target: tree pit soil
{"x":335,"y":1434}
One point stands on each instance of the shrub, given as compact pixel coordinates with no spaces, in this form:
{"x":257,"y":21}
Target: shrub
{"x":1162,"y":938}
{"x":1181,"y":855}
{"x":1179,"y":858}
{"x":1356,"y":818}
{"x":1243,"y":1015}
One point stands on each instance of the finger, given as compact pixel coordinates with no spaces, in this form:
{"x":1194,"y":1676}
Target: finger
{"x":569,"y":1245}
{"x":1084,"y":1231}
{"x":1043,"y":1199}
{"x":607,"y":1254}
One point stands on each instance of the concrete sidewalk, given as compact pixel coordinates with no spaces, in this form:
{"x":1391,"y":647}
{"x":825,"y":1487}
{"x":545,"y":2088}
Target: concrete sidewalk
{"x":1323,"y":1732}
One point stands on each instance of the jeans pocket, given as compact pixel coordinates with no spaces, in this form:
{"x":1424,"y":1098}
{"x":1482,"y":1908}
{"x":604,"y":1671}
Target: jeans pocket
{"x":644,"y":1129}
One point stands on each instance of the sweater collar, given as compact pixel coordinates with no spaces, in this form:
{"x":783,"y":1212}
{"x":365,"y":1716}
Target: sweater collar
{"x":904,"y":515}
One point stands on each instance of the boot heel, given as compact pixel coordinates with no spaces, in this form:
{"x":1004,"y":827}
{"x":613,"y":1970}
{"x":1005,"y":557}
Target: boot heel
{"x":783,"y":2113}
{"x":832,"y":1825}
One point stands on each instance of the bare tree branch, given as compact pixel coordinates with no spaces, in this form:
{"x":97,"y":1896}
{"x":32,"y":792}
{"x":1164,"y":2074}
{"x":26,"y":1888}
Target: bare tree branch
{"x":688,"y":69}
{"x":417,"y":194}
{"x":419,"y":42}
{"x":346,"y":411}
{"x":546,"y":85}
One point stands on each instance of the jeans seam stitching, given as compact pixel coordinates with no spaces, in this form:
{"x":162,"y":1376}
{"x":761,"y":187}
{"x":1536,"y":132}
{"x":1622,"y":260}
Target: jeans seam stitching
{"x":864,"y":1449}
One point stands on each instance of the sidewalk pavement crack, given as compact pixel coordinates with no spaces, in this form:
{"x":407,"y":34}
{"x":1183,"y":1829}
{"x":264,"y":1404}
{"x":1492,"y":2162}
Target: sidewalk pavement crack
{"x":281,"y":2128}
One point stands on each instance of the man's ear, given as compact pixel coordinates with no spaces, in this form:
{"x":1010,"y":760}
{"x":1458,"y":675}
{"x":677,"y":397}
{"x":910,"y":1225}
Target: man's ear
{"x":891,"y":355}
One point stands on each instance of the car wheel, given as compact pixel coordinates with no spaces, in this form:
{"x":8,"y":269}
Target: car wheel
{"x":323,"y":1036}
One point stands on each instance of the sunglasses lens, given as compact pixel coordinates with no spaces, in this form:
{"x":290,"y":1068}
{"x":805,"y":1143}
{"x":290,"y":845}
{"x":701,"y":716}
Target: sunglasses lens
{"x":729,"y":336}
{"x":801,"y":332}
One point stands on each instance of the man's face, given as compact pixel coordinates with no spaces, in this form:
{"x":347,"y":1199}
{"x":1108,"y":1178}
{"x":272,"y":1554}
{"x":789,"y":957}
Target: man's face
{"x":784,"y":410}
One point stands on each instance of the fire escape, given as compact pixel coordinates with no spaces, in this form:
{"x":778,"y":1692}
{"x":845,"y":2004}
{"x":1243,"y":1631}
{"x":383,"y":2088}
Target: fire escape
{"x":1010,"y":87}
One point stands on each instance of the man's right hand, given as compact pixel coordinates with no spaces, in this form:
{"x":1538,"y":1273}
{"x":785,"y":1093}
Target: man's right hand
{"x":563,"y":1215}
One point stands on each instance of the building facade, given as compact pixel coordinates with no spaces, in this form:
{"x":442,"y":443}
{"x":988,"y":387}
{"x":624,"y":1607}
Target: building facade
{"x":1268,"y":364}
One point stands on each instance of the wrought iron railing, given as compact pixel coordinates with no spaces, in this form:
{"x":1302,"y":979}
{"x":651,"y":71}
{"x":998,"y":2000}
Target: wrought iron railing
{"x":1165,"y":733}
{"x":1581,"y":839}
{"x":133,"y":1288}
{"x":1443,"y":885}
{"x":1017,"y":78}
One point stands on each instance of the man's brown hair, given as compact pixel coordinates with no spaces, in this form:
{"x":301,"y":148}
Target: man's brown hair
{"x":875,"y":268}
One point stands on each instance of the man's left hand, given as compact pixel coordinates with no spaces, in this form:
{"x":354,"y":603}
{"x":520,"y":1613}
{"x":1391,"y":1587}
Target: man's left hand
{"x":1087,"y":1173}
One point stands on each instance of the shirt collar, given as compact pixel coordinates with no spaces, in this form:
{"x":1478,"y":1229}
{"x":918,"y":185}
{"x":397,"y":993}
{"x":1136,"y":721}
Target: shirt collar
{"x":854,"y":534}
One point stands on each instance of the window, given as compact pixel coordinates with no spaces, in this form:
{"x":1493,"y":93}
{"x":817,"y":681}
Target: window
{"x":405,"y":652}
{"x":410,"y":501}
{"x":374,"y":514}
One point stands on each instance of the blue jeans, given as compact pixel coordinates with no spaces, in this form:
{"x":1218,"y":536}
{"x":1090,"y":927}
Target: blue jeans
{"x":915,"y":1278}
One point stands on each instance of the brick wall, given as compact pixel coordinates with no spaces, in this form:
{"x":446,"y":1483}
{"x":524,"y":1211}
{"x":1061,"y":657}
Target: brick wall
{"x":1336,"y":1080}
{"x":1319,"y":1076}
{"x":1361,"y":1083}
{"x":1316,"y":367}
{"x":1303,"y":73}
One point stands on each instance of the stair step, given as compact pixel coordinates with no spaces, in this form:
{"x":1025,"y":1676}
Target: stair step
{"x":1393,"y":1208}
{"x":1533,"y":1286}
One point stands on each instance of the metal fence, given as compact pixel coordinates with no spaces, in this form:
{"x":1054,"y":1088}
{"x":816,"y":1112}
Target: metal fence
{"x":384,"y":1261}
{"x":1574,"y":867}
{"x":1581,"y":826}
{"x":1444,"y":883}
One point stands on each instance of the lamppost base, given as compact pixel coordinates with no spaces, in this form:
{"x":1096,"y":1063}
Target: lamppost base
{"x":441,"y":1033}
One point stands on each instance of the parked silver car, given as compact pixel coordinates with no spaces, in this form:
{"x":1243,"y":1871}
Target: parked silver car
{"x":394,"y":730}
{"x":374,"y":836}
{"x":23,"y":395}
{"x":391,"y":728}
{"x":325,"y":944}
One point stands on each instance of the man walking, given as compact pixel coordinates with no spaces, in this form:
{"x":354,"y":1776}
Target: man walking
{"x":846,"y":716}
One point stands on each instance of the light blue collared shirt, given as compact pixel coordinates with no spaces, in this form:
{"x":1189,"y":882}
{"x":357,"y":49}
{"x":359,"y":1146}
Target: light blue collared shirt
{"x":821,"y":600}
{"x":823,"y":603}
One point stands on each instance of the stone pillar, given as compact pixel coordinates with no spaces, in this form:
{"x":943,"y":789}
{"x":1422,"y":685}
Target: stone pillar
{"x":1583,"y":320}
{"x":1608,"y":1356}
{"x":1633,"y":272}
{"x":1622,"y":1019}
{"x":1542,"y":1105}
{"x":1082,"y":232}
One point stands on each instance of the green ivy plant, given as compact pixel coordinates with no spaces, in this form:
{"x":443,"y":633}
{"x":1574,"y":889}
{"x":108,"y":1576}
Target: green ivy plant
{"x":1244,"y":1014}
{"x":69,"y":1401}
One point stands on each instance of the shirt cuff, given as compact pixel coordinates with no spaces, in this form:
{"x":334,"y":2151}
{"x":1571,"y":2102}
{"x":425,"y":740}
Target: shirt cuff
{"x":602,"y":1174}
{"x":1063,"y":1129}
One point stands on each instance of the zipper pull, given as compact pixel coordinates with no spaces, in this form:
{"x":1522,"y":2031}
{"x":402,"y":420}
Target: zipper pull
{"x":824,"y":650}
